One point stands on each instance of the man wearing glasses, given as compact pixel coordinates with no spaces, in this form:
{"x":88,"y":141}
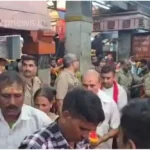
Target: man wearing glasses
{"x":67,"y":79}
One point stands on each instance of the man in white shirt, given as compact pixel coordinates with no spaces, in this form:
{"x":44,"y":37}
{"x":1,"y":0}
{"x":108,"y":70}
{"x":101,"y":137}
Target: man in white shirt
{"x":109,"y":128}
{"x":16,"y":119}
{"x":112,"y":88}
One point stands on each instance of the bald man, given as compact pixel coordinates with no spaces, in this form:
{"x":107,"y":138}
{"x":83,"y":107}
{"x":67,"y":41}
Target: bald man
{"x":109,"y":128}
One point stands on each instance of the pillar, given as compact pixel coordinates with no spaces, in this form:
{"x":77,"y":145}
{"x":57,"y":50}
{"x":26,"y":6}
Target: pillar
{"x":79,"y":26}
{"x":44,"y":68}
{"x":13,"y":47}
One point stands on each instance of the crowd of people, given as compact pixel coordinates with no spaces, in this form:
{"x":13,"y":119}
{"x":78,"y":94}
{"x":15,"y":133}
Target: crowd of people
{"x":61,"y":114}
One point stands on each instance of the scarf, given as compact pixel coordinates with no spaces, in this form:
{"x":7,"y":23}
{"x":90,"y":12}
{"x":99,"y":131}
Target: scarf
{"x":115,"y":91}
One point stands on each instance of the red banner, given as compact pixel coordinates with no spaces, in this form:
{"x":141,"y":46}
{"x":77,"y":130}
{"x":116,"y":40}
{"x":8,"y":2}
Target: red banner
{"x":61,"y":29}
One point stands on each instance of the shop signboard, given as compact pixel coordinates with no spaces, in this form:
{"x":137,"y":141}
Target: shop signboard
{"x":116,"y":23}
{"x":141,"y":46}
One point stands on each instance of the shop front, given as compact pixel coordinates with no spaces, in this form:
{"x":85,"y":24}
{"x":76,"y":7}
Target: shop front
{"x":121,"y":29}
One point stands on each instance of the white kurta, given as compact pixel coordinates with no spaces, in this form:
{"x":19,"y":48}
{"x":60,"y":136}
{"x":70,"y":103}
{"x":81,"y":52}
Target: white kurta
{"x":112,"y":119}
{"x":122,"y":96}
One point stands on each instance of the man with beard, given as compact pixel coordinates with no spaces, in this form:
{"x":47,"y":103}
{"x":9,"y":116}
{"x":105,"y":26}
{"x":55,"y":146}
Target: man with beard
{"x":112,"y":88}
{"x":33,"y":83}
{"x":81,"y":113}
{"x":16,"y":119}
{"x":94,"y":60}
{"x":125,"y":78}
{"x":109,"y":128}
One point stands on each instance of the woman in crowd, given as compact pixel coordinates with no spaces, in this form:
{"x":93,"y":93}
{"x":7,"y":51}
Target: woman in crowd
{"x":44,"y":99}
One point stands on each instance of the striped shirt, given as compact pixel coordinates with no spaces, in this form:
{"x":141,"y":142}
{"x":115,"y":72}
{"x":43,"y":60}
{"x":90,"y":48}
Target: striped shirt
{"x":49,"y":138}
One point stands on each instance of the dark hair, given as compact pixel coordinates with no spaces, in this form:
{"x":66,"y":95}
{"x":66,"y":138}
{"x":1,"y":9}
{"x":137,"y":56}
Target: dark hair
{"x":108,"y":69}
{"x":29,"y":57}
{"x":82,"y":103}
{"x":122,"y":62}
{"x":10,"y":77}
{"x":47,"y":92}
{"x":3,"y":62}
{"x":135,"y":123}
{"x":144,"y":61}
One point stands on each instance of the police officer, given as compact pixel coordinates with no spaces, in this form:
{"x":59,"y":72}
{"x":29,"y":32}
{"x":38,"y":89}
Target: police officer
{"x":67,"y":78}
{"x":33,"y":83}
{"x":125,"y":78}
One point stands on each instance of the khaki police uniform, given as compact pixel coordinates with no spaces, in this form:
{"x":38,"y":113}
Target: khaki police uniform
{"x":79,"y":75}
{"x":127,"y":79}
{"x":65,"y":81}
{"x":30,"y":90}
{"x":147,"y":85}
{"x":124,"y":79}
